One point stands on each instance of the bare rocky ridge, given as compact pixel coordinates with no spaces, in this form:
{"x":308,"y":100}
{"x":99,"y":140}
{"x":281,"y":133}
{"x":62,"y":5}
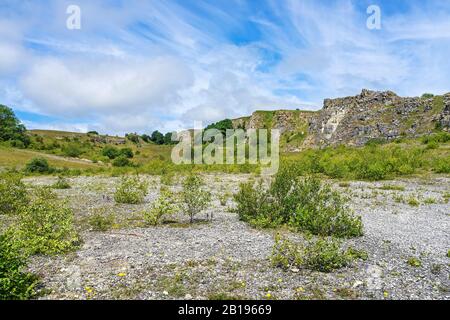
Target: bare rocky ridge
{"x":355,"y":120}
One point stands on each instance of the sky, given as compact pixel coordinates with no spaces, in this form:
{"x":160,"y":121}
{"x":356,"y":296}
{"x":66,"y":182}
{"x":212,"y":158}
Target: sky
{"x":144,"y":65}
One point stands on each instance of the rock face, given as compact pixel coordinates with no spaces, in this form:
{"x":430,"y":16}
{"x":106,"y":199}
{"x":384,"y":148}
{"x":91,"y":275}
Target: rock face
{"x":355,"y":120}
{"x":377,"y":115}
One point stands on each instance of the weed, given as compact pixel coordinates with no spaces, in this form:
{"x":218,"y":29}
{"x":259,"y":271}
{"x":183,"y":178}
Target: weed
{"x":131,"y":190}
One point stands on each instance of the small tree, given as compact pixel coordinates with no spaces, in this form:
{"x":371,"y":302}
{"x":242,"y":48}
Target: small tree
{"x":194,"y":198}
{"x":163,"y":206}
{"x":157,"y":137}
{"x":46,"y":226}
{"x":13,"y":194}
{"x":38,"y":165}
{"x":11,"y":129}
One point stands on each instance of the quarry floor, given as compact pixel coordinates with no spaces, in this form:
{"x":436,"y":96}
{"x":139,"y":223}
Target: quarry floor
{"x":227,"y":259}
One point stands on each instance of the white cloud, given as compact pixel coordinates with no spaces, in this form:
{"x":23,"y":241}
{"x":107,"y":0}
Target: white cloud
{"x":84,"y":87}
{"x":158,"y":65}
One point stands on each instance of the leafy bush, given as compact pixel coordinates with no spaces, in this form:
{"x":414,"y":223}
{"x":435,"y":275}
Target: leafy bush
{"x":110,"y":152}
{"x":11,"y":129}
{"x":163,"y":206}
{"x":13,"y":194}
{"x":322,"y":211}
{"x":38,"y":165}
{"x":127,"y":152}
{"x":121,"y":161}
{"x":100,"y":222}
{"x":304,"y":204}
{"x":62,"y":183}
{"x":195,"y":198}
{"x":72,"y":150}
{"x":131,"y":190}
{"x":322,"y":254}
{"x":255,"y":206}
{"x":15,"y":283}
{"x":45,"y":226}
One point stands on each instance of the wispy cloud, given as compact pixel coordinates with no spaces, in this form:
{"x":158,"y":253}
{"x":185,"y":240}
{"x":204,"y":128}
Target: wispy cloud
{"x":143,"y":65}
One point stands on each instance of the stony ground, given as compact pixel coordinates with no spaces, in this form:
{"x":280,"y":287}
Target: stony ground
{"x":226,"y":258}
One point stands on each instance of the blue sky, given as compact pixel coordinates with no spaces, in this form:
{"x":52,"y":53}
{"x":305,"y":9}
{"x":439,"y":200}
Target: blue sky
{"x":140,"y":65}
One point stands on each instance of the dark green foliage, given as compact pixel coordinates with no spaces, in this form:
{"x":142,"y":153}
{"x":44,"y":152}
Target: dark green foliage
{"x":146,"y":138}
{"x":222,"y":126}
{"x":157,"y":137}
{"x":110,"y":152}
{"x":126,"y":152}
{"x":168,"y":138}
{"x":122,"y":161}
{"x":427,"y":96}
{"x":13,"y":194}
{"x":15,"y":283}
{"x":93,"y":133}
{"x":11,"y":129}
{"x":38,"y":165}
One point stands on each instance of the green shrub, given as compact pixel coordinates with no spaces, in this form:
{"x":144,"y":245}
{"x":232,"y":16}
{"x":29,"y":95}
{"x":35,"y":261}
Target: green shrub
{"x":442,"y":165}
{"x":126,"y":152}
{"x":195,"y":199}
{"x":325,"y":255}
{"x":62,"y":183}
{"x":322,"y":254}
{"x":13,"y":194}
{"x":163,"y":206}
{"x":322,"y":211}
{"x":121,"y":161}
{"x":110,"y":152}
{"x":304,"y":204}
{"x":15,"y":283}
{"x":72,"y":150}
{"x":254,"y":205}
{"x":38,"y":165}
{"x":46,"y":226}
{"x":100,"y":222}
{"x":131,"y":190}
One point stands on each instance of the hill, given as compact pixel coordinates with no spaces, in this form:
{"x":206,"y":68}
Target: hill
{"x":356,"y":120}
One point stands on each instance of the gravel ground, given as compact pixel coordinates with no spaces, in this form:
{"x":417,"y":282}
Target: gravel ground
{"x":226,"y":258}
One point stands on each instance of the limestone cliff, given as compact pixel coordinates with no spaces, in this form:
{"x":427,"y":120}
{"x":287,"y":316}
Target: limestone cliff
{"x":355,"y":120}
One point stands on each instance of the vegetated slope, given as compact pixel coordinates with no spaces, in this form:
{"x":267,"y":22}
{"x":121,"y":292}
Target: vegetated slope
{"x":355,"y":120}
{"x":74,"y":150}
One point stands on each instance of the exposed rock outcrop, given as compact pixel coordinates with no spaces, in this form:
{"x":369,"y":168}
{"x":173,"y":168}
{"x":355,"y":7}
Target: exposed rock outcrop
{"x":355,"y":120}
